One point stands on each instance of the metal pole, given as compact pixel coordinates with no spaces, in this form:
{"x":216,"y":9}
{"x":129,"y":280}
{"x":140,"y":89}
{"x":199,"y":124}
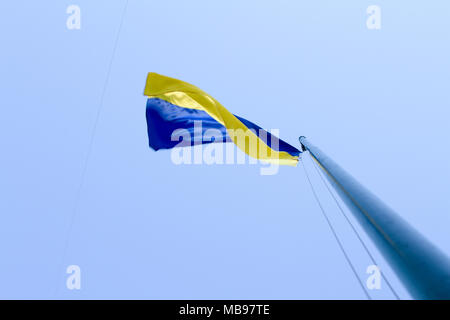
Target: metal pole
{"x":421,"y":266}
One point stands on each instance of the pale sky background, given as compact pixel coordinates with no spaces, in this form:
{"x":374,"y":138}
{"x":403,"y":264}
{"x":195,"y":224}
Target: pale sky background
{"x":377,"y":101}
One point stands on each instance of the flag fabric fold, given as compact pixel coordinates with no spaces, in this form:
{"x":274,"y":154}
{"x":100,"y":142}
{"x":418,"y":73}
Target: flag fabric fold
{"x":177,"y":105}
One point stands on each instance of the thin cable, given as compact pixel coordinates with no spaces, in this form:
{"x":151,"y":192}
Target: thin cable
{"x":351,"y":225}
{"x":91,"y":141}
{"x":334,"y":232}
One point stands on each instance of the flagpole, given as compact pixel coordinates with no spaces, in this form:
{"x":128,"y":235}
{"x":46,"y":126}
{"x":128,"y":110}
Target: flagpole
{"x":420,"y":265}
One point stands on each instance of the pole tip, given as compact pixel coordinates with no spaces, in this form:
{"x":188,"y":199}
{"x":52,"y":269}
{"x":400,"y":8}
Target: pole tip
{"x":300,"y":139}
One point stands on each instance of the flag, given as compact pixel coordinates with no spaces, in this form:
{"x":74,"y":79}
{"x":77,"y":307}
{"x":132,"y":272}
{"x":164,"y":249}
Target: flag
{"x":177,"y":110}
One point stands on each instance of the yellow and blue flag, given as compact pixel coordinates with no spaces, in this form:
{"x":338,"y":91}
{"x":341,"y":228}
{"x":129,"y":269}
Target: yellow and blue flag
{"x":174,"y":104}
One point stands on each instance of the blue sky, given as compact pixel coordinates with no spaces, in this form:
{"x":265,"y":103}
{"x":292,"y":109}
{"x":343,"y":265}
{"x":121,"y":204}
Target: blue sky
{"x":375,"y":100}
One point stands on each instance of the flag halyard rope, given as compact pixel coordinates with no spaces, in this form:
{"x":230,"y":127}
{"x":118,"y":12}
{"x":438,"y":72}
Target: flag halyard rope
{"x":333,"y":231}
{"x":90,"y":146}
{"x":351,"y":225}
